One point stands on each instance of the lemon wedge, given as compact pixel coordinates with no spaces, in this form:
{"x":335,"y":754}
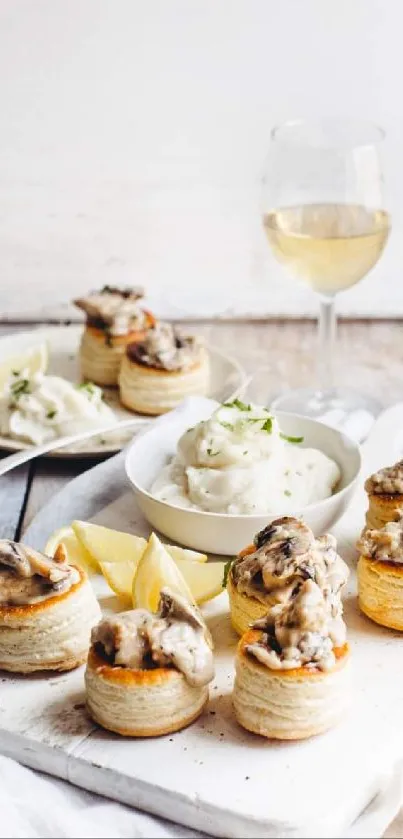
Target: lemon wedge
{"x":76,"y":552}
{"x":204,"y":581}
{"x":185,"y":554}
{"x":32,"y":360}
{"x":119,"y":575}
{"x":157,"y":569}
{"x":106,"y":545}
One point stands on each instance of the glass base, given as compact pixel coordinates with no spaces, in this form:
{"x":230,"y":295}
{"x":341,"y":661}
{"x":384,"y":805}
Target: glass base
{"x":352,"y":412}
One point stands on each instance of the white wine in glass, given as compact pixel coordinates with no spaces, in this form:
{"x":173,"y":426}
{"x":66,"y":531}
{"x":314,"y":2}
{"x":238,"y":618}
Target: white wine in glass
{"x":324,"y":219}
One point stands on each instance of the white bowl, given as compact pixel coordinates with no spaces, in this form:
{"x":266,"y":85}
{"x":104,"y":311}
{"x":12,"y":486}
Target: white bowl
{"x":222,"y":533}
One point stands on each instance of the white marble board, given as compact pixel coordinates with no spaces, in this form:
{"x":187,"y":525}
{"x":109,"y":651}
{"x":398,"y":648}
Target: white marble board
{"x":214,"y":776}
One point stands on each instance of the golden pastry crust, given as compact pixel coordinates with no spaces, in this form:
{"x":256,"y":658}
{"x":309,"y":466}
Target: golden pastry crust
{"x":383,"y":508}
{"x":380,"y":591}
{"x":101,"y":355}
{"x":153,"y":391}
{"x":141,"y":703}
{"x":53,"y":634}
{"x":244,"y":610}
{"x":289,"y":704}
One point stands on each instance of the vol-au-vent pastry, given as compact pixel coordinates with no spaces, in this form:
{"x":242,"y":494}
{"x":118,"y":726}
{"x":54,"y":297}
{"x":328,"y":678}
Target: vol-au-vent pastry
{"x":283,"y":554}
{"x":148,"y":674}
{"x":292,"y":678}
{"x":114,"y":319}
{"x":47,"y":610}
{"x":157,"y":373}
{"x":385,"y":496}
{"x":380,"y":574}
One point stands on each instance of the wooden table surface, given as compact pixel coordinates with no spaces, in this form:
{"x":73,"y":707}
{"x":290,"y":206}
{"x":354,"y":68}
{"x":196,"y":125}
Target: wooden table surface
{"x":369,"y":357}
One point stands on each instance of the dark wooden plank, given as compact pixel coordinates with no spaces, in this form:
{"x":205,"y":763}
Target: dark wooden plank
{"x":14,"y":490}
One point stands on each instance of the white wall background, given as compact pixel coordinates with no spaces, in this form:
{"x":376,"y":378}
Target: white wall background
{"x":132,"y":135}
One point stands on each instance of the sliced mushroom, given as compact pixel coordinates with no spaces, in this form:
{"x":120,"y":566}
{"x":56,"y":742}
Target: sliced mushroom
{"x":109,"y":303}
{"x":387,"y":481}
{"x":174,"y":605}
{"x":26,"y":562}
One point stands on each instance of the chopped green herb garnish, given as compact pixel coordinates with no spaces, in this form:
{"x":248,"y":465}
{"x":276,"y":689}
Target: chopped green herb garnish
{"x":88,"y":388}
{"x":236,"y":403}
{"x":287,"y":492}
{"x":226,"y":424}
{"x":245,"y":452}
{"x":267,"y":422}
{"x":16,"y":372}
{"x":268,"y":425}
{"x":211,"y":453}
{"x":51,"y":414}
{"x":20,"y":387}
{"x":291,"y":439}
{"x":227,"y":569}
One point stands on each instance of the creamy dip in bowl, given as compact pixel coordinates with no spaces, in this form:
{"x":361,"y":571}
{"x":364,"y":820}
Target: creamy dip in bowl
{"x":240,"y":462}
{"x":154,"y":469}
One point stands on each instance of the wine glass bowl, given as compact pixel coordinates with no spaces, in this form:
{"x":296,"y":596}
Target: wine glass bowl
{"x":325,"y":221}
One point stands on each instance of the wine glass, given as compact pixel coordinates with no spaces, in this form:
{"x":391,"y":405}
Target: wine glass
{"x":324,"y":218}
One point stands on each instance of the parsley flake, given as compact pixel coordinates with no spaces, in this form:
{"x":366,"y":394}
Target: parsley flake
{"x":51,"y":414}
{"x":211,"y":453}
{"x":226,"y":425}
{"x":236,"y":403}
{"x":20,"y":387}
{"x":291,"y":439}
{"x":268,"y":425}
{"x":89,"y":389}
{"x":287,"y":492}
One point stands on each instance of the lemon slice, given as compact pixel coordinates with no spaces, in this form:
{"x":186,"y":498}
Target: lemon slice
{"x":204,"y":581}
{"x":76,"y":552}
{"x":106,"y":545}
{"x":157,"y":569}
{"x":32,"y":360}
{"x":119,"y":575}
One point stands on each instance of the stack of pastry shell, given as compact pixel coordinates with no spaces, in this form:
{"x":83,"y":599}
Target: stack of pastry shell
{"x":101,"y":352}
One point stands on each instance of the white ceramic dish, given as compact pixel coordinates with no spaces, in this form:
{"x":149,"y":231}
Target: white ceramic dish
{"x":227,"y":534}
{"x":227,"y":378}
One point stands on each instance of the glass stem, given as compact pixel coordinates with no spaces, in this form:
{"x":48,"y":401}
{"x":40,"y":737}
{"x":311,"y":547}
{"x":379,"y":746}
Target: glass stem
{"x":326,"y":340}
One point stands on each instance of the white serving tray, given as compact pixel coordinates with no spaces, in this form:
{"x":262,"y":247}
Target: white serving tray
{"x":214,"y":776}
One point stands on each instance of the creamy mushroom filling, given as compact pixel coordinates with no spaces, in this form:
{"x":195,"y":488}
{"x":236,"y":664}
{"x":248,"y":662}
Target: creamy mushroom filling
{"x":166,"y":348}
{"x":388,"y":481}
{"x":385,"y":544}
{"x":175,"y":637}
{"x":114,"y":310}
{"x":300,"y":634}
{"x":27,"y":576}
{"x":299,"y":579}
{"x":286,"y":553}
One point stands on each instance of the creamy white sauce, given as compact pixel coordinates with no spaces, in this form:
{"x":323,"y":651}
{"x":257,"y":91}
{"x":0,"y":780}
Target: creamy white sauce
{"x":237,"y":462}
{"x":39,"y":408}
